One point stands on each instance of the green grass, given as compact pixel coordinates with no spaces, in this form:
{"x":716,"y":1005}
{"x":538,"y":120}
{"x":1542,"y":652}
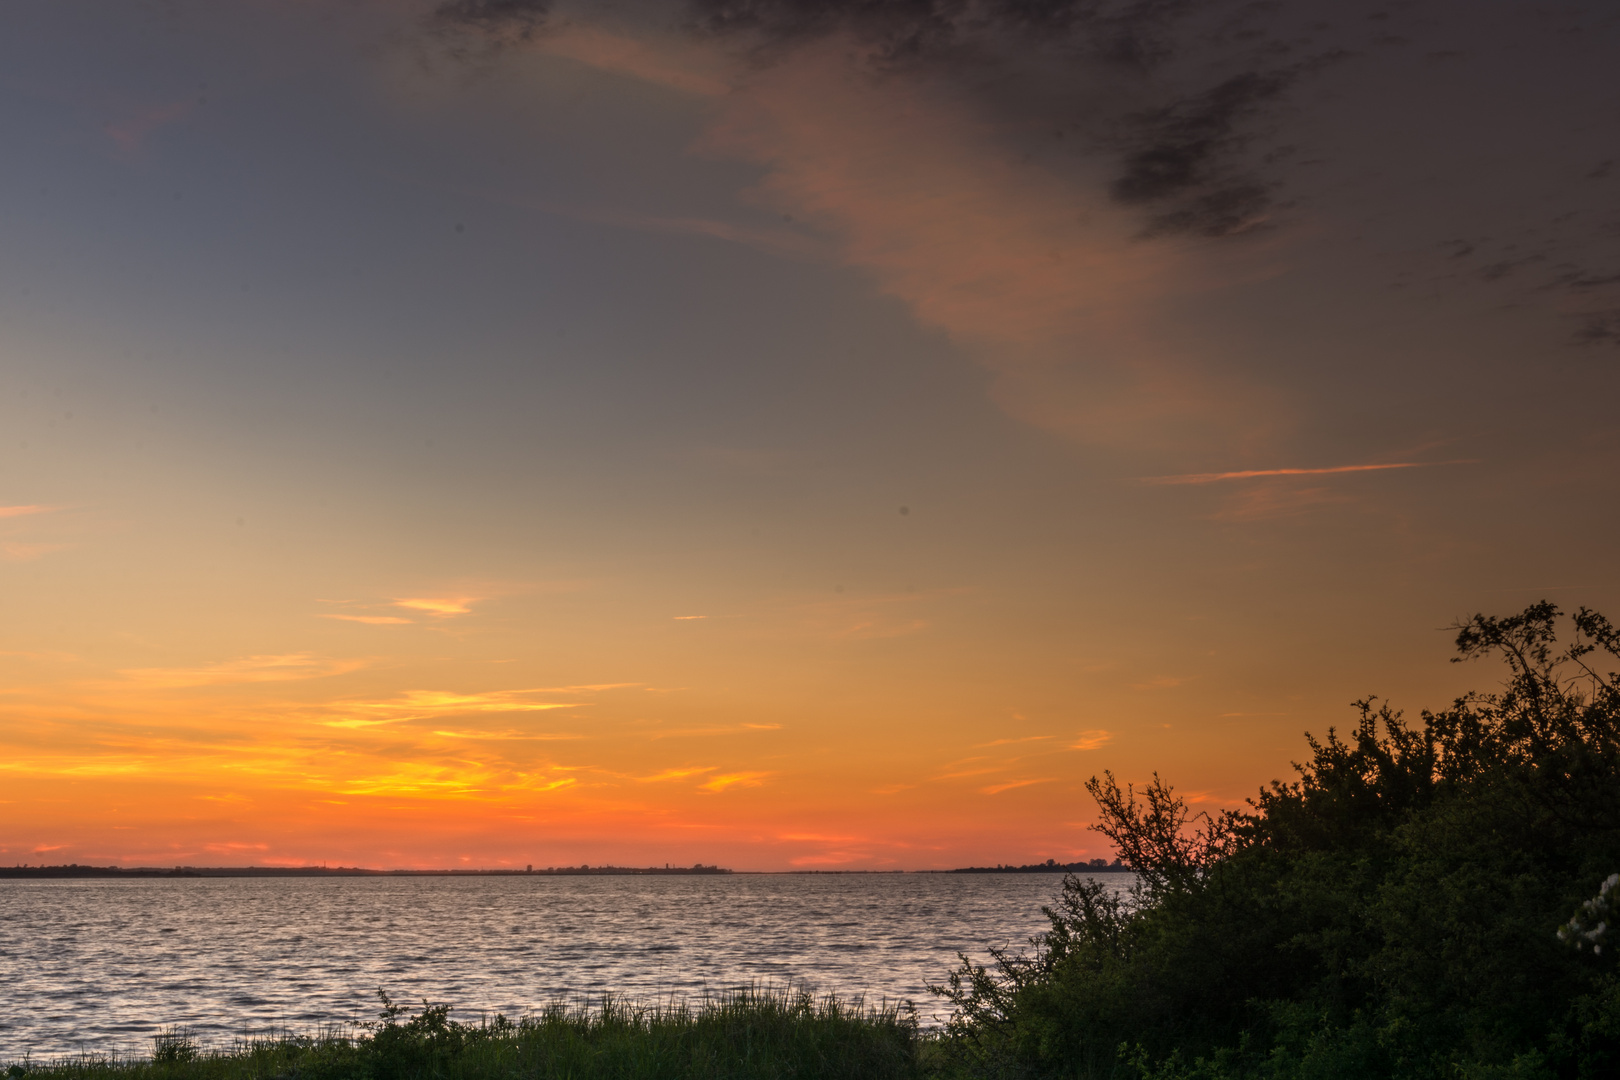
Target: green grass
{"x":752,"y":1034}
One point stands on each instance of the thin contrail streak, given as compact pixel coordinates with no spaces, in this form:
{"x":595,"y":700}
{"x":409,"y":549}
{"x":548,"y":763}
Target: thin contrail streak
{"x":1250,"y":474}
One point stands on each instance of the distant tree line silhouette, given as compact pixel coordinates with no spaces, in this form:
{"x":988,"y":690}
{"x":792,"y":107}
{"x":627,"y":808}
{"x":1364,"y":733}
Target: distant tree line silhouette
{"x":1051,"y":866}
{"x":74,"y":870}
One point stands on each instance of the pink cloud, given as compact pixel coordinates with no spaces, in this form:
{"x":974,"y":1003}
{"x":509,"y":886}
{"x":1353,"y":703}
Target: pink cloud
{"x":1035,"y":273}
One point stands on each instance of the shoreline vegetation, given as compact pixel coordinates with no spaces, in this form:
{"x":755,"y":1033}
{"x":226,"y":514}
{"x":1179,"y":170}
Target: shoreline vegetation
{"x":1425,"y":901}
{"x":74,"y":870}
{"x":782,"y":1033}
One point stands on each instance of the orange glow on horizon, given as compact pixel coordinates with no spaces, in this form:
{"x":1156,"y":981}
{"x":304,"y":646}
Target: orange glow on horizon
{"x":668,"y":449}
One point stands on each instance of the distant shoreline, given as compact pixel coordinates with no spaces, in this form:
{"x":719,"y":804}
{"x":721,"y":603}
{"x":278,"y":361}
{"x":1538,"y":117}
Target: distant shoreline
{"x":74,"y":870}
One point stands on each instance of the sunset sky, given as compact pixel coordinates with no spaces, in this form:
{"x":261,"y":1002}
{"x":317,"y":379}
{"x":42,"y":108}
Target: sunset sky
{"x":771,"y":433}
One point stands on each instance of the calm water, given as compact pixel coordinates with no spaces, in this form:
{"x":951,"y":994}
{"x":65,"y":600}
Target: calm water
{"x":102,"y":965}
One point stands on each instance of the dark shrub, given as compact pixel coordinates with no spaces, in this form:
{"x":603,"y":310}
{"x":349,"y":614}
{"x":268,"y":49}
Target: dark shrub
{"x":1393,"y":912}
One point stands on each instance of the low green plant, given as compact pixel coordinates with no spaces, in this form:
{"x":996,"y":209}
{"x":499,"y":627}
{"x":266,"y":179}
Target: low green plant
{"x":172,"y":1046}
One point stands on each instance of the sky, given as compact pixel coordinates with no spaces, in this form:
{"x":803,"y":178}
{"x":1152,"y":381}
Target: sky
{"x":765,"y":433}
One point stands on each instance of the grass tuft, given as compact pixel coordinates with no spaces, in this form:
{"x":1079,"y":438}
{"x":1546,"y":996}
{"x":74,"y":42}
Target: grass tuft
{"x":755,"y":1034}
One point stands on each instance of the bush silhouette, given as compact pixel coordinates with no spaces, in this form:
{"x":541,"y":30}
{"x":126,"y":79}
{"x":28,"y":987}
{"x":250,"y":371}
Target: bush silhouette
{"x":1393,"y":912}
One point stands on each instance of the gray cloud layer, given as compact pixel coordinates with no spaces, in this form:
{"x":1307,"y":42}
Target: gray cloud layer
{"x":1202,"y":112}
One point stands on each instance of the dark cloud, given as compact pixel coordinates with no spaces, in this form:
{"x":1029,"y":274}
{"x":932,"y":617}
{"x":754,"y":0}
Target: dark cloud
{"x":1503,"y":268}
{"x":1104,"y":69}
{"x":1107,"y":71}
{"x":1184,"y":105}
{"x":1177,"y":153}
{"x":1581,"y":280}
{"x":501,"y":18}
{"x":1133,"y":32}
{"x":1599,"y":328}
{"x":899,"y":27}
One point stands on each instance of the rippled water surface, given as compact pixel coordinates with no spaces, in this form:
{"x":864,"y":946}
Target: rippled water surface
{"x":102,"y":965}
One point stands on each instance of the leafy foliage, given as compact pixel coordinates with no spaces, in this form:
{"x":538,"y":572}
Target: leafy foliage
{"x":1393,"y":912}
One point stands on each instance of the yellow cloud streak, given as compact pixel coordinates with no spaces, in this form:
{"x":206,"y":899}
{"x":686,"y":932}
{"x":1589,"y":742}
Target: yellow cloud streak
{"x":737,"y":779}
{"x":293,"y":763}
{"x":511,"y":736}
{"x":441,"y":606}
{"x":422,"y":702}
{"x":676,"y":774}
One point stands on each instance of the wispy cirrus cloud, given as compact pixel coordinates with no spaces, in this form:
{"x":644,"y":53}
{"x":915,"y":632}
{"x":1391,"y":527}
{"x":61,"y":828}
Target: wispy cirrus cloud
{"x":674,"y":63}
{"x":512,"y":736}
{"x":25,"y":550}
{"x":997,"y":789}
{"x":726,"y":781}
{"x":774,"y":241}
{"x":586,"y":688}
{"x":1013,"y":742}
{"x":438,"y":606}
{"x":677,"y":774}
{"x":19,"y":552}
{"x":962,"y":774}
{"x":424,"y":704}
{"x":460,"y":780}
{"x":371,"y":620}
{"x":726,"y":729}
{"x":1254,"y":474}
{"x":1092,"y":740}
{"x":285,"y":667}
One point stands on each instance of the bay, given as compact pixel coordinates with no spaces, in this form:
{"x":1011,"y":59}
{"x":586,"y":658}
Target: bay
{"x":100,"y":966}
